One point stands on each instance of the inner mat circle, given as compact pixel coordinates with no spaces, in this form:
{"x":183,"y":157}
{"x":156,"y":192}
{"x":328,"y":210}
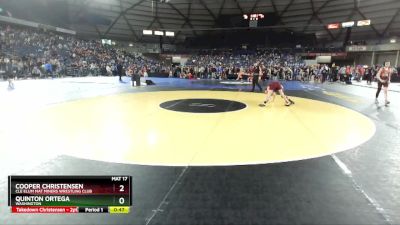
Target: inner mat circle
{"x":202,"y":105}
{"x":133,"y":128}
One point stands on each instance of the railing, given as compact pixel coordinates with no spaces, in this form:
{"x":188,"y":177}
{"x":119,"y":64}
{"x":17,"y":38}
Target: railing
{"x":81,"y":72}
{"x":62,"y":72}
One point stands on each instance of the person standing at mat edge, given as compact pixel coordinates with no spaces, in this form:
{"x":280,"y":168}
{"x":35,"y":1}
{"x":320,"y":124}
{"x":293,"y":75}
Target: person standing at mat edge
{"x":257,"y":76}
{"x":137,"y":72}
{"x":129,"y":73}
{"x":119,"y":71}
{"x":383,"y":76}
{"x":9,"y":74}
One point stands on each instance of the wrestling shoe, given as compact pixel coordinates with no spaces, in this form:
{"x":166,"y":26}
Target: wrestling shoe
{"x":376,"y":101}
{"x":292,"y":102}
{"x":387,"y":103}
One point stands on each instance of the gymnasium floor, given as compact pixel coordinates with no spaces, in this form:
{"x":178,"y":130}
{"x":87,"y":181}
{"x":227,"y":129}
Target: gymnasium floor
{"x":214,"y":156}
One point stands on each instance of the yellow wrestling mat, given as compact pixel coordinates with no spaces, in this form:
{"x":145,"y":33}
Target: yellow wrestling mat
{"x":133,"y":128}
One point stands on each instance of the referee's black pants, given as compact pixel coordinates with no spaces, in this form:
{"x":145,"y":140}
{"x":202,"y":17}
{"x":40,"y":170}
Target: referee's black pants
{"x":255,"y":82}
{"x":135,"y":80}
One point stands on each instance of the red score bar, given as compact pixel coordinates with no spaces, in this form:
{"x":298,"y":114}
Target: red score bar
{"x":41,"y":209}
{"x":90,"y":189}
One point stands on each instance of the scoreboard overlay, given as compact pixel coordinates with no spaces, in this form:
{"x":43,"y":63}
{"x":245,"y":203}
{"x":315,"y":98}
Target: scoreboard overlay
{"x":70,"y":194}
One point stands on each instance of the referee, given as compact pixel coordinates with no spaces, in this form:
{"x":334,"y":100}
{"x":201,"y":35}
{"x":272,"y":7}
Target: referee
{"x":9,"y":75}
{"x":256,"y":77}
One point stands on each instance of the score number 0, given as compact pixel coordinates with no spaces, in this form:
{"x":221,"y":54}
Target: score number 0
{"x":121,"y":200}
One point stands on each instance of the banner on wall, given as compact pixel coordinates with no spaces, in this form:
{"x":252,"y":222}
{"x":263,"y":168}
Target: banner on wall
{"x":357,"y":48}
{"x":334,"y":54}
{"x":324,"y":59}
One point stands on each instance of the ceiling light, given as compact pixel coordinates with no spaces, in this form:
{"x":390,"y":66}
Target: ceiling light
{"x":147,"y":32}
{"x":361,"y":23}
{"x":333,"y":26}
{"x":348,"y":24}
{"x":159,"y":33}
{"x":169,"y":33}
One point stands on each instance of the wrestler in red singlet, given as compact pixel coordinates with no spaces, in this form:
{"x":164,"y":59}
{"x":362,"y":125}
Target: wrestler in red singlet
{"x":383,"y":77}
{"x":275,"y":86}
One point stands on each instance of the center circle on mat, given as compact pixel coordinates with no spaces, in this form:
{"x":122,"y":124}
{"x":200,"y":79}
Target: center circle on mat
{"x":202,"y":105}
{"x":132,"y":128}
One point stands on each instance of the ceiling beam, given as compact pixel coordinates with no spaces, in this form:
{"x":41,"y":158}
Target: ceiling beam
{"x":188,"y":15}
{"x":325,"y":28}
{"x":238,"y":6}
{"x":170,"y":18}
{"x":83,"y":6}
{"x":148,"y":27}
{"x":98,"y":31}
{"x":151,"y":24}
{"x":220,"y":8}
{"x":127,"y":23}
{"x":372,"y":26}
{"x":136,"y":12}
{"x":122,"y":13}
{"x":319,"y":19}
{"x":356,"y":4}
{"x":390,"y":23}
{"x":286,"y":8}
{"x":178,"y":33}
{"x":274,"y":6}
{"x":208,"y":10}
{"x":186,"y":18}
{"x":156,"y":19}
{"x":315,"y":13}
{"x":254,"y":6}
{"x":349,"y":17}
{"x":280,"y":21}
